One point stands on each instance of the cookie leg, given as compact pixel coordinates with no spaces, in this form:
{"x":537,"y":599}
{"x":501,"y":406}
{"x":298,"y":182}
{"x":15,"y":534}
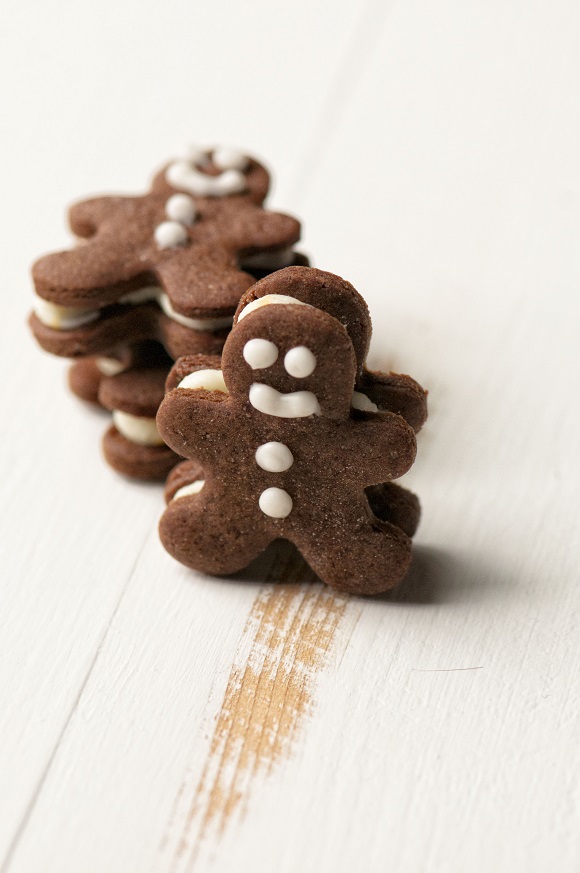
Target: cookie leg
{"x":149,"y":463}
{"x":211,"y":538}
{"x":358,"y":556}
{"x":84,"y":379}
{"x":389,"y":502}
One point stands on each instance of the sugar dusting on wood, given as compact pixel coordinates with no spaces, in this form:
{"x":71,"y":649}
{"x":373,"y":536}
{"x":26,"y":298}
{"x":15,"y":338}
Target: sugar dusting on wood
{"x":287,"y":640}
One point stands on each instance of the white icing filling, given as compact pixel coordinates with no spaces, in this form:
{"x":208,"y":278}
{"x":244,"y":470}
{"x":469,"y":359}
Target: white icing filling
{"x":260,"y":353}
{"x":142,"y":295}
{"x":230,"y":159}
{"x":63,"y":317}
{"x":275,"y":502}
{"x":269,"y":260}
{"x":209,"y":380}
{"x":206,"y":324}
{"x":156,"y":294}
{"x":363,"y":403}
{"x":267,"y":300}
{"x":186,"y":490}
{"x":185,"y":176}
{"x":170,"y":234}
{"x":180,"y":207}
{"x":137,"y":429}
{"x":297,"y":404}
{"x":274,"y":457}
{"x":300,"y":362}
{"x":109,"y":366}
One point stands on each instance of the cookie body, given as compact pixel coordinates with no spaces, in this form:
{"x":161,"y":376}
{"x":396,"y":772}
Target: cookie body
{"x":168,"y":266}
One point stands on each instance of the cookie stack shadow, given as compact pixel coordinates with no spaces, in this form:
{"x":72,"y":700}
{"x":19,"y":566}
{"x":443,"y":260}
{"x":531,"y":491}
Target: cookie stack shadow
{"x":193,"y":319}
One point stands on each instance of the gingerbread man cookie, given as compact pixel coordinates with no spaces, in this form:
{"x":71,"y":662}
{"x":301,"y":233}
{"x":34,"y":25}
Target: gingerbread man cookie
{"x":170,"y":265}
{"x":281,"y":446}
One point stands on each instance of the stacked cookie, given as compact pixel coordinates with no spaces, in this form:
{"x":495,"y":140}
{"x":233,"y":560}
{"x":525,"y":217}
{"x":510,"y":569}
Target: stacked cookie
{"x":154,"y":277}
{"x":191,"y":300}
{"x":290,"y":436}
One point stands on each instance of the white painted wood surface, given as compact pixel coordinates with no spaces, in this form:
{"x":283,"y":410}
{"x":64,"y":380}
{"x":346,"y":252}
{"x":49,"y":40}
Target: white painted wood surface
{"x":432,"y":151}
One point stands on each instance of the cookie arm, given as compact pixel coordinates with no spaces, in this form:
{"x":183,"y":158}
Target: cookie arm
{"x":212,"y":277}
{"x":384,"y":445}
{"x":193,"y":422}
{"x":396,"y":393}
{"x":262,"y":230}
{"x":86,"y":216}
{"x":87,"y":275}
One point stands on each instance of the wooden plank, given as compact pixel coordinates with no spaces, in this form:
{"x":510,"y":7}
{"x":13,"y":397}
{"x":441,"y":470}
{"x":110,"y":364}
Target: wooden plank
{"x":438,"y":728}
{"x":66,"y":572}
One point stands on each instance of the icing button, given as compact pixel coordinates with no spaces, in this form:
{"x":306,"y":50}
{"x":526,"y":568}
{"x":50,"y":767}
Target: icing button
{"x":170,"y":234}
{"x":275,"y":502}
{"x":181,"y":208}
{"x":274,"y":457}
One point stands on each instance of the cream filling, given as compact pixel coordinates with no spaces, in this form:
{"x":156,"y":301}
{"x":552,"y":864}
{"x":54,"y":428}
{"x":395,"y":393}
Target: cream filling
{"x":363,"y":403}
{"x":109,"y":366}
{"x":157,"y":295}
{"x":208,"y":380}
{"x":267,"y":300}
{"x":269,"y":260}
{"x":137,"y":428}
{"x":63,"y":317}
{"x":186,"y":490}
{"x":69,"y":317}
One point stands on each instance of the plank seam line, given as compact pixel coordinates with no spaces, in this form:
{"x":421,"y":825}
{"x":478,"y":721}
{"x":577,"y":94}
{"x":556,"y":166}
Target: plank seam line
{"x":19,"y":833}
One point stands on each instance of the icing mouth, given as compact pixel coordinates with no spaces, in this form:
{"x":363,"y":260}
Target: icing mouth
{"x":137,"y":429}
{"x":69,"y":318}
{"x":186,"y":175}
{"x":296,"y":404}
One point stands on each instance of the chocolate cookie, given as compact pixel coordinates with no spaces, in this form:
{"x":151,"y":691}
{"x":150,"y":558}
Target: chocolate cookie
{"x":86,"y":374}
{"x":170,"y":265}
{"x":133,"y":445}
{"x":286,"y":445}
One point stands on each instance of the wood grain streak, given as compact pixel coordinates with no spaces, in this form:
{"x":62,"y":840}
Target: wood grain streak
{"x":286,"y":641}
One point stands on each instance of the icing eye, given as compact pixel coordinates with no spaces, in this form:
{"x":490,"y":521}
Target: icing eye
{"x":180,"y":207}
{"x":299,"y":362}
{"x":229,"y":159}
{"x":260,"y":353}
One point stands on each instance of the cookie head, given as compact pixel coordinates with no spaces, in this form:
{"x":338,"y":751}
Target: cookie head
{"x":215,"y":173}
{"x":287,"y":359}
{"x":321,"y":289}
